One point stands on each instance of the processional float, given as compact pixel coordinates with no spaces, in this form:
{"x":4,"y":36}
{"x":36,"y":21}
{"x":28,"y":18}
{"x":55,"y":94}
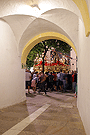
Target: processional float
{"x":53,"y":61}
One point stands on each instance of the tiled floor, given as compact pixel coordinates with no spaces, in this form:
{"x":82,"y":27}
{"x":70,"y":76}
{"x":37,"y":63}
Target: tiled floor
{"x":54,"y":114}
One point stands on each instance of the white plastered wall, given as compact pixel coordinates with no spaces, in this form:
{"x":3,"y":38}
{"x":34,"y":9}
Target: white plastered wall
{"x":83,"y":101}
{"x":11,"y":75}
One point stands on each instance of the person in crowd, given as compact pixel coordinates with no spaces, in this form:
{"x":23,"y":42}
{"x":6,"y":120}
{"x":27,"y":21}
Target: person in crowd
{"x":34,"y":83}
{"x":64,"y":81}
{"x":58,"y":80}
{"x":51,"y":77}
{"x":28,"y":80}
{"x":75,"y":80}
{"x":61,"y":81}
{"x":55,"y":81}
{"x":34,"y":74}
{"x":73,"y":83}
{"x":69,"y":80}
{"x":43,"y":81}
{"x":39,"y":80}
{"x":47,"y":81}
{"x":72,"y":72}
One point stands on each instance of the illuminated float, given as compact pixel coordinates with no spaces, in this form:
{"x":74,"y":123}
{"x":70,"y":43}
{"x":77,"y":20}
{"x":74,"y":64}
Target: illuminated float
{"x":53,"y":61}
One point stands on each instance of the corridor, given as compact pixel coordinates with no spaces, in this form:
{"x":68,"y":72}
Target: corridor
{"x":53,"y":114}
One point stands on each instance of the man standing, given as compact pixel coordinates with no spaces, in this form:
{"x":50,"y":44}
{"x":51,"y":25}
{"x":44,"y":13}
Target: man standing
{"x":55,"y":81}
{"x":51,"y":77}
{"x":28,"y":79}
{"x":43,"y":79}
{"x":61,"y":80}
{"x":74,"y":81}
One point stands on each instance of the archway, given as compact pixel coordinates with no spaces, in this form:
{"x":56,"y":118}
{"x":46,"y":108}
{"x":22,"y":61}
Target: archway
{"x":41,"y":37}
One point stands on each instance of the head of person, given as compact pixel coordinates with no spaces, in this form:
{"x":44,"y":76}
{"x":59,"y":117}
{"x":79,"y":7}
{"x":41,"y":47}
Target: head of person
{"x":61,"y":70}
{"x":51,"y":73}
{"x":42,"y":73}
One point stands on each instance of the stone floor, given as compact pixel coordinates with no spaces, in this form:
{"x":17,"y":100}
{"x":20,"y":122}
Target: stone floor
{"x":60,"y":117}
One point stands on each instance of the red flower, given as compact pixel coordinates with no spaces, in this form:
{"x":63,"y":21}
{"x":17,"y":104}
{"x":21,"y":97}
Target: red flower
{"x":57,"y":62}
{"x":45,"y":63}
{"x":40,"y":62}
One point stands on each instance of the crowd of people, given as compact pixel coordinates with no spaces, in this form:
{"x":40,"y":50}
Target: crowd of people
{"x":51,"y":81}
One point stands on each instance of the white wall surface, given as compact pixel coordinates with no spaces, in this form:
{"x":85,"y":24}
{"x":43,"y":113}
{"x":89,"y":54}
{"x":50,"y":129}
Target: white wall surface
{"x":84,"y":78}
{"x":11,"y":74}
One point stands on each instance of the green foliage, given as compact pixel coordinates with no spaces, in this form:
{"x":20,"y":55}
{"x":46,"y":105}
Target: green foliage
{"x":39,"y":49}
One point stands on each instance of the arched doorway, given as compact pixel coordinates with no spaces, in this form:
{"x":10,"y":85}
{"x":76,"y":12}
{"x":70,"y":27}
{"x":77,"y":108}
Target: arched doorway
{"x":41,"y":37}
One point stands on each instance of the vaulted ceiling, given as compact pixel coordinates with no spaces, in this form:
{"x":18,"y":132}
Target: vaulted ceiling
{"x":29,"y":18}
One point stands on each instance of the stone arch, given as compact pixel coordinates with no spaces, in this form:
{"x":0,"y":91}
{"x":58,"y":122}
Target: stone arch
{"x":82,"y":5}
{"x":41,"y":37}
